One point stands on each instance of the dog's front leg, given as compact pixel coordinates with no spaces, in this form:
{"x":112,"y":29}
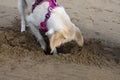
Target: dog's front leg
{"x":37,"y":34}
{"x":35,"y":31}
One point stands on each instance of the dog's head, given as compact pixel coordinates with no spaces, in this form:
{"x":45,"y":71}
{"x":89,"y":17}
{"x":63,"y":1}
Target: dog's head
{"x":66,"y":35}
{"x":63,"y":30}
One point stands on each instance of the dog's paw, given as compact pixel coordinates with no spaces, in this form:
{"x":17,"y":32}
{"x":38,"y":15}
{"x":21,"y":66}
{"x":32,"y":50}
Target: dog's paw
{"x":22,"y":27}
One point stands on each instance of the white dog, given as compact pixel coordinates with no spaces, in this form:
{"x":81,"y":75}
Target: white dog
{"x":59,"y":30}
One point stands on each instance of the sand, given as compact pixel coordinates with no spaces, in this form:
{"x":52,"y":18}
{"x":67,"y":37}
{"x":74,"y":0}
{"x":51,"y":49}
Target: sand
{"x":21,"y":57}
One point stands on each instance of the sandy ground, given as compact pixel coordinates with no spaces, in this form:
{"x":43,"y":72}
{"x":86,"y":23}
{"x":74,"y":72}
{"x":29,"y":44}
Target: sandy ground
{"x":21,"y":57}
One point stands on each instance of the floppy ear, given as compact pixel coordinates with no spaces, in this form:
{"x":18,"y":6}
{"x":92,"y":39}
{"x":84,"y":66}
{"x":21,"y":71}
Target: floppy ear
{"x":56,"y":40}
{"x":79,"y":38}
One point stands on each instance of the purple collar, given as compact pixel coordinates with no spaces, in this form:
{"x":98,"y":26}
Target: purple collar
{"x":53,"y":4}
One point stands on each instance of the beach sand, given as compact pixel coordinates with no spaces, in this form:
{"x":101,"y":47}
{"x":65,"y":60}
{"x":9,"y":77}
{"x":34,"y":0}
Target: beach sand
{"x":21,"y":57}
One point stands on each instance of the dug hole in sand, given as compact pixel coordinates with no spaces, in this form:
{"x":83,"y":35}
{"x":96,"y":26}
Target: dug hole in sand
{"x":21,"y":57}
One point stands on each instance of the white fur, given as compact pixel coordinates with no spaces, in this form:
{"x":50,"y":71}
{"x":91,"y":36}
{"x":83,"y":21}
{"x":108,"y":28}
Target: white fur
{"x":23,"y":7}
{"x":60,"y":27}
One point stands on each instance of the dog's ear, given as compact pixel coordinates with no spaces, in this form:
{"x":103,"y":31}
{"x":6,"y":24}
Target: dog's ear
{"x":56,"y":40}
{"x":78,"y":37}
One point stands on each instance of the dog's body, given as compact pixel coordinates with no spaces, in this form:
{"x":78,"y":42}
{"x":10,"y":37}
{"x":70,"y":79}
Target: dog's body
{"x":60,"y":27}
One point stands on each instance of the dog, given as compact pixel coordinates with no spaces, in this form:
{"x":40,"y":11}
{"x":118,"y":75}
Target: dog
{"x":57,"y":24}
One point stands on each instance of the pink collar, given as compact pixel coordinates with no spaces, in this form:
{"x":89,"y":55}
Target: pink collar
{"x":53,"y":4}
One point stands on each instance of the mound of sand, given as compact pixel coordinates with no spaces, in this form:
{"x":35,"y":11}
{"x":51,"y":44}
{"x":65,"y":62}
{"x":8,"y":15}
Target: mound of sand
{"x":21,"y":57}
{"x":16,"y":45}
